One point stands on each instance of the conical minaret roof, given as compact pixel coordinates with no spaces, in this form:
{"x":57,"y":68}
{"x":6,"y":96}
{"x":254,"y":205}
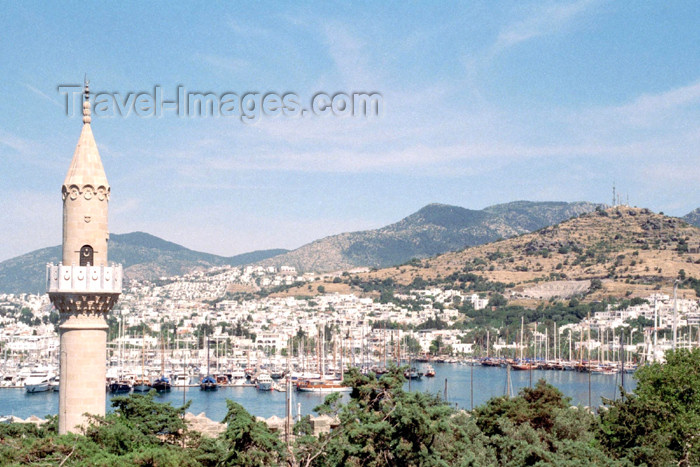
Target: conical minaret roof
{"x":86,"y":167}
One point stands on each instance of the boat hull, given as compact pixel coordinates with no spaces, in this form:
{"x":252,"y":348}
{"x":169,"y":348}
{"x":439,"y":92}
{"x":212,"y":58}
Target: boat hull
{"x":38,"y":387}
{"x":322,"y":387}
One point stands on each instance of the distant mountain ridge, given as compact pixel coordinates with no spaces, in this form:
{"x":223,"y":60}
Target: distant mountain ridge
{"x":143,"y":256}
{"x":433,"y":230}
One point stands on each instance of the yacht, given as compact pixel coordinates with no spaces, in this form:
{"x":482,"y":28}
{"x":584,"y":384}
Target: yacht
{"x":39,"y":380}
{"x":238,"y":378}
{"x":264,"y":382}
{"x":8,"y":381}
{"x":181,"y":379}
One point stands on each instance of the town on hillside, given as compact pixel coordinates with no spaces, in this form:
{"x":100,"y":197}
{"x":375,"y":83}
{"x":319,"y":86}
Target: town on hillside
{"x":232,"y":319}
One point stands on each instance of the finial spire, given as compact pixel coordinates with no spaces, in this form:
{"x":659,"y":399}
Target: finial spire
{"x":86,"y":101}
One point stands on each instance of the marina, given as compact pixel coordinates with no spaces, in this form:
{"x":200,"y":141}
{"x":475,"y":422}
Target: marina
{"x":463,"y":380}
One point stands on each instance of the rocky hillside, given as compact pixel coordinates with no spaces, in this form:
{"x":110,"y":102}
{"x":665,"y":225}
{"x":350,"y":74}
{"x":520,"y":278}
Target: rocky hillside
{"x":693,"y":217}
{"x":435,"y":229}
{"x":143,"y":256}
{"x":623,"y":251}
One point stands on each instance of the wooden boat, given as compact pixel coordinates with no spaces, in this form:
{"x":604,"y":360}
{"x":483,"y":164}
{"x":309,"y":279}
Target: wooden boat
{"x":162,"y":384}
{"x":222,"y":379}
{"x":208,"y":383}
{"x":142,"y":385}
{"x":120,"y":386}
{"x":322,"y":386}
{"x":524,"y":366}
{"x":429,"y":371}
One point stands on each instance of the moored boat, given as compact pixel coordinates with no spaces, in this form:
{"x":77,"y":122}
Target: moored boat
{"x":39,"y":381}
{"x":120,"y":386}
{"x":524,"y":366}
{"x":413,"y":374}
{"x":208,"y":383}
{"x":161,"y":384}
{"x":222,"y":379}
{"x":322,"y":386}
{"x":264,"y":382}
{"x":181,"y":379}
{"x":142,"y":385}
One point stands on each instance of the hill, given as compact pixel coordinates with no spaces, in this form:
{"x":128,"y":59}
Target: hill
{"x":434,"y":229}
{"x":693,"y":217}
{"x":622,"y":251}
{"x":143,"y":256}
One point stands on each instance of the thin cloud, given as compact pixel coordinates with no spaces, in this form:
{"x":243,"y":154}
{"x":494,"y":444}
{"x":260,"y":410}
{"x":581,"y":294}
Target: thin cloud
{"x":650,"y":108}
{"x":545,"y":21}
{"x":42,"y":94}
{"x":226,"y":63}
{"x":21,"y":145}
{"x":349,"y":54}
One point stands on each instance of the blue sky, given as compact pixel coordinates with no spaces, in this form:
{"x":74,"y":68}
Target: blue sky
{"x":483,"y":103}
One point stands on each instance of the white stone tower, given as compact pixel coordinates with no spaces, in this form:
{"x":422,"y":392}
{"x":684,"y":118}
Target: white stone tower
{"x":83,"y":287}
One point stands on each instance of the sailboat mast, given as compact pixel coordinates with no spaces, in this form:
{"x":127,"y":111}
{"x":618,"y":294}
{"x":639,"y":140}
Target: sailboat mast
{"x":522,"y":342}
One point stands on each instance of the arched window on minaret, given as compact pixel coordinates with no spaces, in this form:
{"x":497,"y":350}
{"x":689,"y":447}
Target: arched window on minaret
{"x":87,"y":256}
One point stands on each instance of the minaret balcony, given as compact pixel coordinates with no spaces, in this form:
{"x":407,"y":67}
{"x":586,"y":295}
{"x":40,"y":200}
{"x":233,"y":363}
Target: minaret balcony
{"x":84,"y":279}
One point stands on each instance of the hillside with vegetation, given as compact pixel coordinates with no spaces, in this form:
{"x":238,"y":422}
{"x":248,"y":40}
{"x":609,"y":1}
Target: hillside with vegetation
{"x":619,"y":253}
{"x":434,"y":229}
{"x":622,"y":251}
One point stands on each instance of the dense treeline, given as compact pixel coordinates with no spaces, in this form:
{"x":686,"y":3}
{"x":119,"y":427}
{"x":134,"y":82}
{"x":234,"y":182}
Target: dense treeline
{"x":384,"y":425}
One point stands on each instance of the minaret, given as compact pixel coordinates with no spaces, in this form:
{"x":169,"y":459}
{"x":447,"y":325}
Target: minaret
{"x":83,"y":287}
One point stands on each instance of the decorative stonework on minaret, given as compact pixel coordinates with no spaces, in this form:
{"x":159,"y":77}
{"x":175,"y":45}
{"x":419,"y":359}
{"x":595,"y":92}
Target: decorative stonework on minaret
{"x":83,"y":287}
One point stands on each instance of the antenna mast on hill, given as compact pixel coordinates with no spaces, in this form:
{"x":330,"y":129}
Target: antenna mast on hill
{"x":614,"y":199}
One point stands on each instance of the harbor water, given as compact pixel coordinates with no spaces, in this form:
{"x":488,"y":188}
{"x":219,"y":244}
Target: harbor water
{"x":463,"y":381}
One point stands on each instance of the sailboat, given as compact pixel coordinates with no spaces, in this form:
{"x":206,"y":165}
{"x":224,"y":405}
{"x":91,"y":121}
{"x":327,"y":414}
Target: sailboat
{"x":208,"y":383}
{"x":142,"y":384}
{"x":162,"y":383}
{"x":122,"y":384}
{"x":324,"y":383}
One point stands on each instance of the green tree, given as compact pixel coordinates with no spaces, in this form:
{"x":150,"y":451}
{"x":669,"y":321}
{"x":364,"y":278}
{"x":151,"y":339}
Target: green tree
{"x":139,"y":432}
{"x":382,"y":425}
{"x":436,"y":345}
{"x":497,"y":300}
{"x":412,"y":345}
{"x":660,"y":423}
{"x":538,"y":427}
{"x":246,"y":441}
